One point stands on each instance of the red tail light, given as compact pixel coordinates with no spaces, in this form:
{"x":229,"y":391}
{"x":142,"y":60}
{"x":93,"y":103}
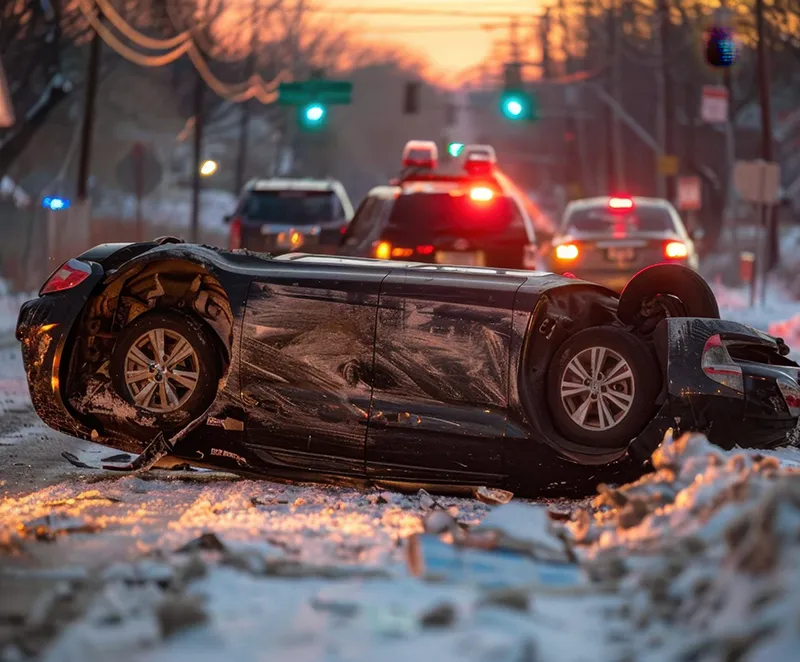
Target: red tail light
{"x":718,"y":365}
{"x":675,"y":250}
{"x":481,"y":194}
{"x":235,"y":236}
{"x":425,"y":249}
{"x":567,"y":251}
{"x":71,"y":273}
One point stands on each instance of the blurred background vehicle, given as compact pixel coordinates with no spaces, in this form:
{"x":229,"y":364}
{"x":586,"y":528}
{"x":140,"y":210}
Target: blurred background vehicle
{"x":283,"y":215}
{"x":608,"y":240}
{"x":472,"y":215}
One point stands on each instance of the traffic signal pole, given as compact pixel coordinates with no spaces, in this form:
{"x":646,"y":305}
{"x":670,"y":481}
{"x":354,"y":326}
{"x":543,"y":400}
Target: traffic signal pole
{"x":196,"y":157}
{"x":667,"y":95}
{"x":87,"y":126}
{"x":773,"y":250}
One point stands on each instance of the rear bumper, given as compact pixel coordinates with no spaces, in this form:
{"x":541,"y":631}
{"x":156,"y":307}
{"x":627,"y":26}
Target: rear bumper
{"x":760,"y":416}
{"x":44,"y":329}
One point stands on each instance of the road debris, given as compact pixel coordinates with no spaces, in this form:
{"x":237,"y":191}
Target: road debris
{"x":493,"y":496}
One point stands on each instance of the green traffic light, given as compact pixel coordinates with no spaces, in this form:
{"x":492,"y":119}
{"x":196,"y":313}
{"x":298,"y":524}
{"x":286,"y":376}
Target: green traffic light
{"x":516,"y":106}
{"x":455,"y":149}
{"x":315,"y":113}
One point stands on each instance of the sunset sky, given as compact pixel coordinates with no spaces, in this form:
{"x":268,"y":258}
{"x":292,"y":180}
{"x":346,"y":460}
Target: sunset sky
{"x":449,"y":43}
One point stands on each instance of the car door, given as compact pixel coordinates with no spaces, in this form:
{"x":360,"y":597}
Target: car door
{"x":306,"y":362}
{"x":440,"y":393}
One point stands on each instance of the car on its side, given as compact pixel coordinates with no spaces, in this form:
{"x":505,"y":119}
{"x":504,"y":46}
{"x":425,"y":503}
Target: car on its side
{"x":402,"y":373}
{"x":282,"y":215}
{"x":608,"y":239}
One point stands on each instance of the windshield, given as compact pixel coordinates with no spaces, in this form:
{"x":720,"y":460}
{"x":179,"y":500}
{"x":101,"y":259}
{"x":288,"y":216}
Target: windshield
{"x":296,"y":207}
{"x":602,"y":220}
{"x":430,"y":214}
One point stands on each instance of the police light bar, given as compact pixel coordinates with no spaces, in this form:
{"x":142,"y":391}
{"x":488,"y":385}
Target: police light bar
{"x":420,"y":154}
{"x":480,"y":152}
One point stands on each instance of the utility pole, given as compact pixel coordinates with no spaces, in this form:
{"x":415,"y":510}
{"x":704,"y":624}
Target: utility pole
{"x":246,"y":107}
{"x":196,"y":157}
{"x":615,"y":155}
{"x":87,"y":126}
{"x":667,"y":96}
{"x":773,"y":254}
{"x":574,"y":174}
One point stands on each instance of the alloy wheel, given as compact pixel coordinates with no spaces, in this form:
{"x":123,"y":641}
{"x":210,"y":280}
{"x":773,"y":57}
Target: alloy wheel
{"x":597,"y":388}
{"x":161,"y":370}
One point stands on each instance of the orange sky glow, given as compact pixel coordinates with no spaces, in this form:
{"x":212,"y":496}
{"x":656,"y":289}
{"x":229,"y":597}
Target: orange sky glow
{"x":449,"y":43}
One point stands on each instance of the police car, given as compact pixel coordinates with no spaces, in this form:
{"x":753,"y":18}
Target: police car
{"x":474,"y":217}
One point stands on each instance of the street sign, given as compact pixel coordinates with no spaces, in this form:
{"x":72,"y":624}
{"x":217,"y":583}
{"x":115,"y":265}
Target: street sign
{"x":300,"y":93}
{"x":757,"y":181}
{"x":668,"y":165}
{"x":690,"y":193}
{"x":714,"y":105}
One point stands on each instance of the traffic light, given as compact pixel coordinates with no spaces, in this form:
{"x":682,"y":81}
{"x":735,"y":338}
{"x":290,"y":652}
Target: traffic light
{"x":411,"y":98}
{"x":455,"y":149}
{"x":721,"y":48}
{"x":516,"y":105}
{"x":312,"y":116}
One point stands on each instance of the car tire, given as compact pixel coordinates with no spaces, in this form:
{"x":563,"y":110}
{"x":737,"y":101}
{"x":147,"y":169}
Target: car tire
{"x":181,"y":387}
{"x":621,"y":393}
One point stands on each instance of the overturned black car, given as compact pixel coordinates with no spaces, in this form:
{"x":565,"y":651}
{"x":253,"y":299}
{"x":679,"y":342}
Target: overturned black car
{"x":334,"y":368}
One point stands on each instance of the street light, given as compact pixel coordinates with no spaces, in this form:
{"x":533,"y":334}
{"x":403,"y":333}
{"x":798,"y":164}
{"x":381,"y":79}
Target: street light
{"x":208,"y":168}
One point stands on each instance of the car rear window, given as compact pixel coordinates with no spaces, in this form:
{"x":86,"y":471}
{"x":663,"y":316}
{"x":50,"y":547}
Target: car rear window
{"x":296,"y":207}
{"x":602,"y":219}
{"x":427,"y":214}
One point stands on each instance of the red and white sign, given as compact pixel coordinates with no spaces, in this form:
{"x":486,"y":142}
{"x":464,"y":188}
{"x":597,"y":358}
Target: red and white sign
{"x":714,"y":107}
{"x":690,"y":193}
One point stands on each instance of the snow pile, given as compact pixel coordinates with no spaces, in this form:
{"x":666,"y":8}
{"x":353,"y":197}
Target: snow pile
{"x":706,"y":551}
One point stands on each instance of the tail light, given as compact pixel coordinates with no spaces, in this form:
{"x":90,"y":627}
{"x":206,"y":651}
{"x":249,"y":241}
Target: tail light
{"x":235,"y":236}
{"x":791,"y":394}
{"x":675,"y":250}
{"x":481,"y":194}
{"x":68,"y":275}
{"x":383,"y":250}
{"x":567,"y":251}
{"x":425,"y":249}
{"x":718,"y":365}
{"x":402,"y":252}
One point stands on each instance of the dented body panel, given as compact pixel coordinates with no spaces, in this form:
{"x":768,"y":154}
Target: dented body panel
{"x":366,"y":370}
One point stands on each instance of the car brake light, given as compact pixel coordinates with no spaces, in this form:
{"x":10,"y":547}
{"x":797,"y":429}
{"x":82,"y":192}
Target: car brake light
{"x":620,"y":203}
{"x":426,"y":249}
{"x":791,"y":394}
{"x":235,"y":235}
{"x":718,"y":365}
{"x":676,"y":249}
{"x":402,"y":252}
{"x":71,"y":273}
{"x":383,"y":250}
{"x":567,"y":252}
{"x":481,"y":194}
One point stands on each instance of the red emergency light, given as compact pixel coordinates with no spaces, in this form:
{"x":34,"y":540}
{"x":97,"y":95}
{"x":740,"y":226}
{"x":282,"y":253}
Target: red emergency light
{"x":620,"y":203}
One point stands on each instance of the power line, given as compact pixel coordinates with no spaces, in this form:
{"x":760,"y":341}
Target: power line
{"x":422,"y":11}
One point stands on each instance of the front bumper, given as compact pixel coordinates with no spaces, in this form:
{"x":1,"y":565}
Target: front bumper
{"x":44,"y":330}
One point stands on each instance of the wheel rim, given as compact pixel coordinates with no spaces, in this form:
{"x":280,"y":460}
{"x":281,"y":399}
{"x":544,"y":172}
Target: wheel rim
{"x":161,"y":370}
{"x":597,"y":388}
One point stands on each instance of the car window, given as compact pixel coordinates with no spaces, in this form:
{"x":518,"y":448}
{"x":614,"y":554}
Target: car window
{"x":427,"y":214}
{"x":601,"y":219}
{"x":363,"y":220}
{"x":292,"y":206}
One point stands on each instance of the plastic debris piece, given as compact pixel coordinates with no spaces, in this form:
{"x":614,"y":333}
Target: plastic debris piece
{"x":74,"y":461}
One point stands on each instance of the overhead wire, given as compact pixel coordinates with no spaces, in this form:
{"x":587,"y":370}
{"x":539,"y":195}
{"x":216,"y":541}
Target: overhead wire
{"x":137,"y":37}
{"x":254,"y":87}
